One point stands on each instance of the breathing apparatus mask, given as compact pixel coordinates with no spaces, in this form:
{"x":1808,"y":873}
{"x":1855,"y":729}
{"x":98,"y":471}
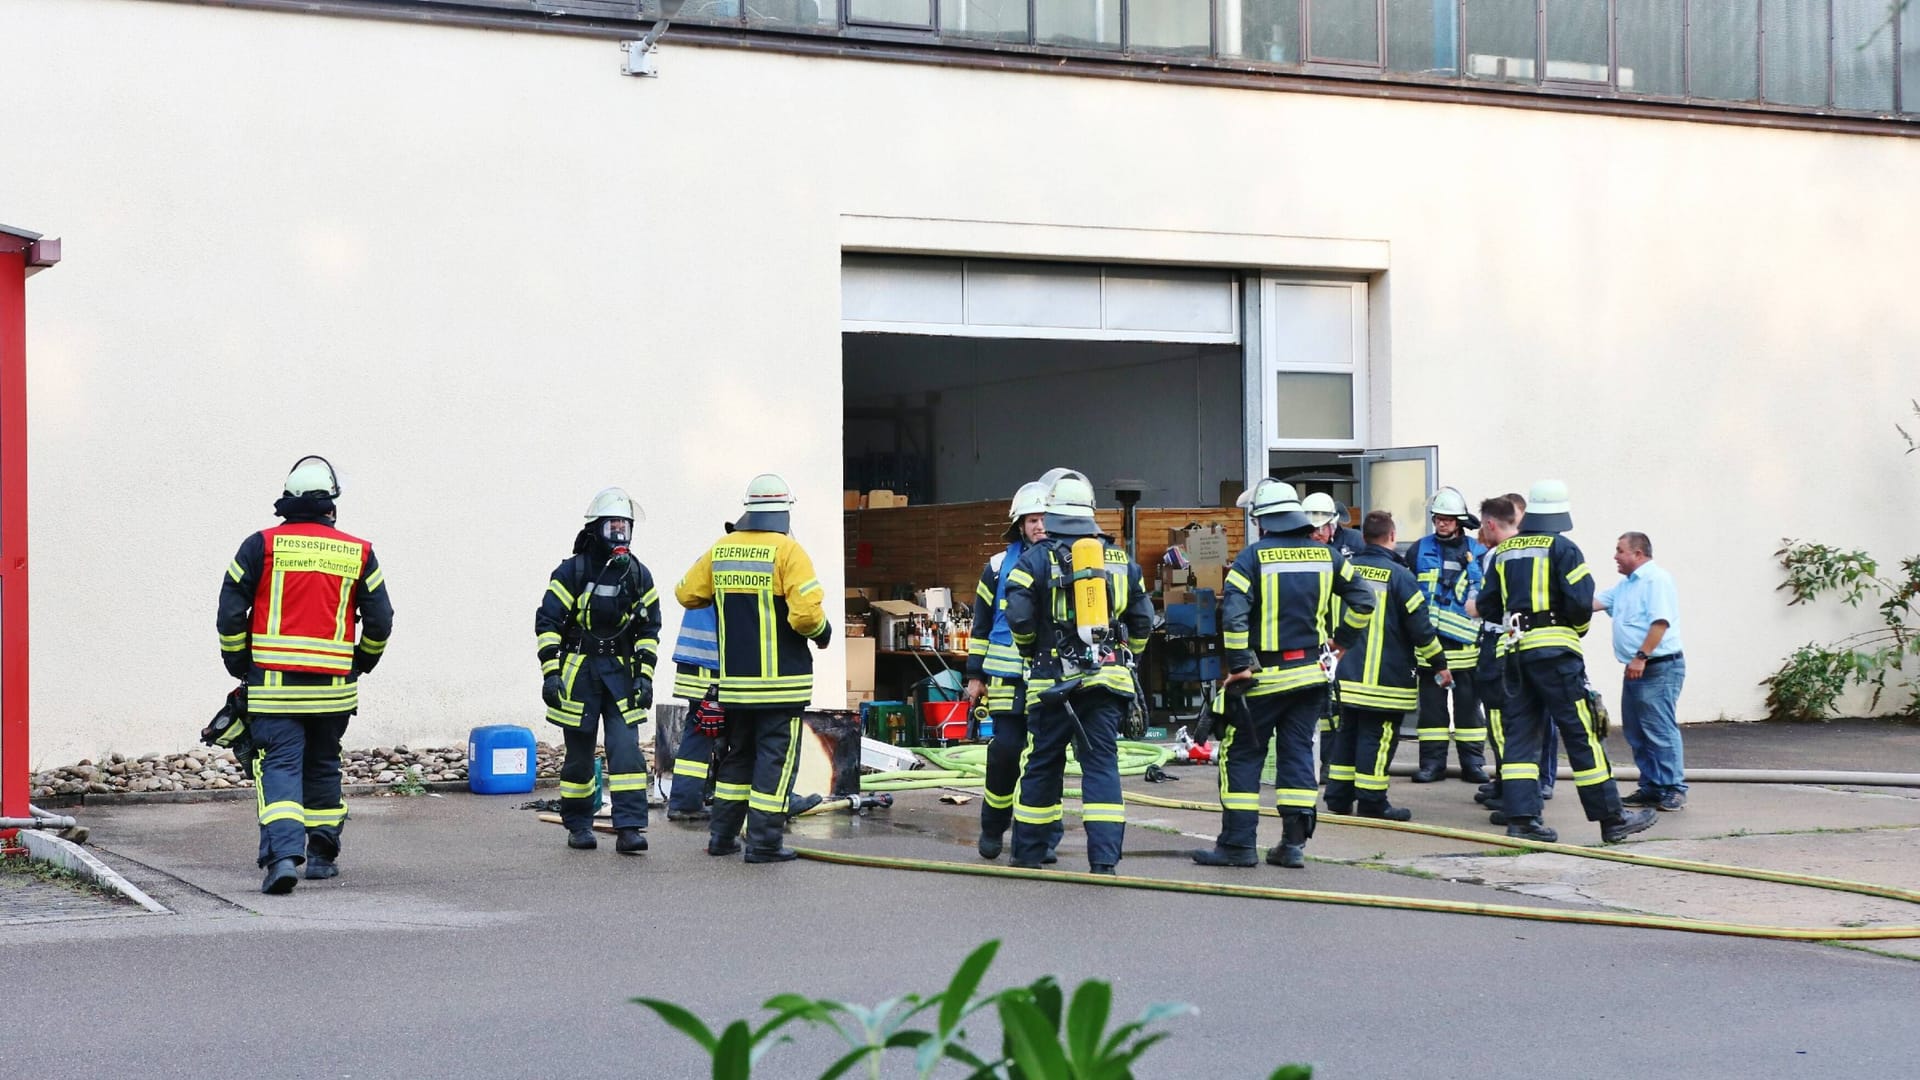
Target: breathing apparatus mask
{"x":617,"y":534}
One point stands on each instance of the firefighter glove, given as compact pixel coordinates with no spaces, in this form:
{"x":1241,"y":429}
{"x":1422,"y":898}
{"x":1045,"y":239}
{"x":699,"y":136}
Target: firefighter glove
{"x":238,"y":662}
{"x":550,"y":690}
{"x":642,"y":698}
{"x":363,"y":662}
{"x":824,"y":637}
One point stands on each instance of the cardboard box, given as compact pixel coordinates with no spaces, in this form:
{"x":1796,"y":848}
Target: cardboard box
{"x":893,"y":613}
{"x":1209,"y":577}
{"x":1205,"y":545}
{"x":849,"y":500}
{"x":860,"y":652}
{"x":881,"y":499}
{"x":854,"y":701}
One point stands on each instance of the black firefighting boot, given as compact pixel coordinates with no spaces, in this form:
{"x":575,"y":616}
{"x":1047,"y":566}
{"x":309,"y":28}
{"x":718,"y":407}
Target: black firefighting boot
{"x":1383,"y":810}
{"x":1433,"y":763}
{"x":582,"y":839}
{"x":723,"y":828}
{"x":1614,"y":830}
{"x":1224,"y":856}
{"x":763,"y":838}
{"x":282,"y":876}
{"x":1473,"y":762}
{"x":1527,"y":828}
{"x":1291,"y":851}
{"x":630,"y":842}
{"x":320,"y":867}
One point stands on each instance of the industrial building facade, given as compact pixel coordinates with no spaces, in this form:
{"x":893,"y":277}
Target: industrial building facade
{"x":1660,"y":250}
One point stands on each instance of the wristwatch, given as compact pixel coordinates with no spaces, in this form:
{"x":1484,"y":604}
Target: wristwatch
{"x":1641,"y":654}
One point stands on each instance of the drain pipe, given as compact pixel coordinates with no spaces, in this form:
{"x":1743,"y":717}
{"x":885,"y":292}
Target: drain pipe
{"x":40,"y":820}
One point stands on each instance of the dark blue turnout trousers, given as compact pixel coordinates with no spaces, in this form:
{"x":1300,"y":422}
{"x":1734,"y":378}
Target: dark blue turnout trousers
{"x":1542,"y":690}
{"x":295,"y":761}
{"x":1037,"y":809}
{"x":1287,"y":722}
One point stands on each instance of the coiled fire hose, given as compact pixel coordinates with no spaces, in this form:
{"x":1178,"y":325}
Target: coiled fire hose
{"x":965,"y":767}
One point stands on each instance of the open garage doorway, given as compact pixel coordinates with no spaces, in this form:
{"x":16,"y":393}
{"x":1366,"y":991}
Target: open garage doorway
{"x":963,"y":379}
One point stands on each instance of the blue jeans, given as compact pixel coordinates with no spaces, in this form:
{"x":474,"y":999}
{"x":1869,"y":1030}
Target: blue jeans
{"x":1647,"y":719}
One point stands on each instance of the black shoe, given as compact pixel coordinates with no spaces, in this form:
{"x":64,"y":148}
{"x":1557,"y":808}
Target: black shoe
{"x":1641,"y":797}
{"x":690,"y":815}
{"x":1474,"y":774}
{"x":722,"y":849}
{"x":800,"y":804}
{"x":1341,"y":807}
{"x":1530,"y":829}
{"x":1669,"y":801}
{"x":1018,"y":865}
{"x":282,"y":876}
{"x":1223,"y":856}
{"x":785,"y":854}
{"x":1291,"y":856}
{"x":1546,"y":793}
{"x":990,"y":847}
{"x":1052,"y":856}
{"x":1626,"y":825}
{"x":1106,"y":869}
{"x":320,"y":867}
{"x":582,"y":839}
{"x":1498,"y":817}
{"x":1385,"y":812}
{"x":1428,"y":774}
{"x":630,"y":842}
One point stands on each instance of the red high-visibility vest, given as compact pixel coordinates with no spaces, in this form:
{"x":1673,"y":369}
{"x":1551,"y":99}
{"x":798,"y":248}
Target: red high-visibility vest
{"x":303,"y":607}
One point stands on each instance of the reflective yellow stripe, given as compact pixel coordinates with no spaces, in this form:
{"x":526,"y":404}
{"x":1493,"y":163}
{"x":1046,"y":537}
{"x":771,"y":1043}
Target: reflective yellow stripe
{"x":1574,"y":575}
{"x":571,"y":790}
{"x":1114,"y":812}
{"x":321,"y":819}
{"x":560,"y":591}
{"x":1470,"y":734}
{"x":1519,"y":770}
{"x":1236,"y":640}
{"x":1000,"y":802}
{"x":373,"y":646}
{"x":1020,"y":577}
{"x":1550,"y":637}
{"x":1340,"y":772}
{"x":689,"y":767}
{"x":627,"y":781}
{"x":376,"y":579}
{"x":1384,"y":698}
{"x":1038,"y":815}
{"x":282,"y":811}
{"x":234,"y":571}
{"x":730,"y":792}
{"x":1295,"y":796}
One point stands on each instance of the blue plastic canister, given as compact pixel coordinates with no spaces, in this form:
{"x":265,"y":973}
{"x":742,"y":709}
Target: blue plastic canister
{"x":500,"y":759}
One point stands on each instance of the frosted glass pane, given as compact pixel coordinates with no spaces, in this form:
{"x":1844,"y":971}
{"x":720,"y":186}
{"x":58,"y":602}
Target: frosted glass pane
{"x":1910,"y":59}
{"x":1000,"y":19}
{"x":1079,"y":24}
{"x":1176,"y":301}
{"x":1346,"y":30}
{"x":906,"y":12}
{"x":1652,"y":46}
{"x":1261,"y":30}
{"x":1577,"y":40}
{"x":810,"y":14}
{"x":1862,"y":55}
{"x":1400,"y":488}
{"x":1796,"y":47}
{"x":1033,"y":294}
{"x":887,"y":288}
{"x":1423,"y":36}
{"x":1313,"y":324}
{"x":1500,"y":39}
{"x":1314,"y":405}
{"x":1169,"y":26}
{"x":1725,"y":38}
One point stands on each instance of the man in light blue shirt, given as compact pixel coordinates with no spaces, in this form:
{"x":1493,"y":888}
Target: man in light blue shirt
{"x":1646,"y":637}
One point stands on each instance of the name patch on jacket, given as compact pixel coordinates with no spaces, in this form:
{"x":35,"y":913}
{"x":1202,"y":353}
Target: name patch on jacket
{"x":316,"y":554}
{"x":1373,"y":573}
{"x":1296,"y":555}
{"x":743,"y":566}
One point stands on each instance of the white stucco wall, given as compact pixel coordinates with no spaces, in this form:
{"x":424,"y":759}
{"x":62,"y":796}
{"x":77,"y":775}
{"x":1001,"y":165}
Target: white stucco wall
{"x":487,"y":275}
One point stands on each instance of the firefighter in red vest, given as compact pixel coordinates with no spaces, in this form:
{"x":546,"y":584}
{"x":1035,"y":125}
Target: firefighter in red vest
{"x":288,"y":609}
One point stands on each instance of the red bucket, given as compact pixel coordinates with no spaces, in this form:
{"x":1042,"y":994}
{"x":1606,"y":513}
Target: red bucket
{"x":945,"y":719}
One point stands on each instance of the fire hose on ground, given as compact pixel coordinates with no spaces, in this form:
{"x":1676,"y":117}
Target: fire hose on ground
{"x":964,"y":767}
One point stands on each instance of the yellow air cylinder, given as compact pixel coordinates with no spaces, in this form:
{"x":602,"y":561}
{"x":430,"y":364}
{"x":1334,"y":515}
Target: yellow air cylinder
{"x":1090,"y":580}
